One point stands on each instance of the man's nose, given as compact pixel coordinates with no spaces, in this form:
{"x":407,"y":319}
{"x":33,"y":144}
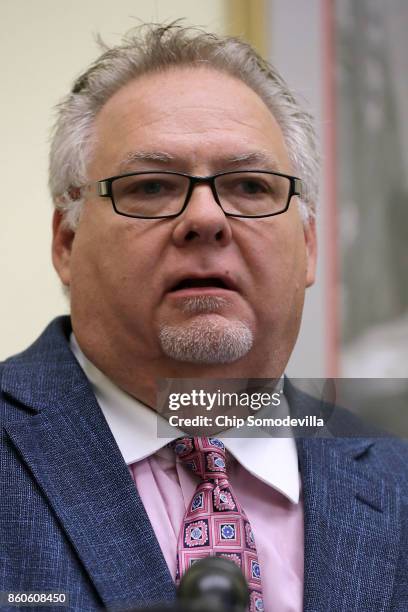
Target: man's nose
{"x":203,"y":221}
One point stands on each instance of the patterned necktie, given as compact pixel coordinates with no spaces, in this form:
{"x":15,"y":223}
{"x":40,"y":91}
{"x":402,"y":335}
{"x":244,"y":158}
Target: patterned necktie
{"x":214,"y":522}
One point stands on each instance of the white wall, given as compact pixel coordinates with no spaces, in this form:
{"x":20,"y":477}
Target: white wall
{"x":44,"y":44}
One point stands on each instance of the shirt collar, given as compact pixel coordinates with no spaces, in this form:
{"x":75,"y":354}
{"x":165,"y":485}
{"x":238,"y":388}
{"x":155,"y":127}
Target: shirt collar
{"x":134,"y":427}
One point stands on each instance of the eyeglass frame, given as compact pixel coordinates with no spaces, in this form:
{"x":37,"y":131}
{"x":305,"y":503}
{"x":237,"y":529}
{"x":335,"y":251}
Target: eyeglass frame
{"x":104,"y":190}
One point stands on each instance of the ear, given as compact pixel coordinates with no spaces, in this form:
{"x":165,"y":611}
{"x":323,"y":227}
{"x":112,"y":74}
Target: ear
{"x":62,"y":247}
{"x":311,"y":250}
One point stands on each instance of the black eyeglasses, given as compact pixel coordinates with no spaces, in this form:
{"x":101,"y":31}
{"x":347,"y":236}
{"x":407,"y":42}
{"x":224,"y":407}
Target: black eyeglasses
{"x":160,"y":195}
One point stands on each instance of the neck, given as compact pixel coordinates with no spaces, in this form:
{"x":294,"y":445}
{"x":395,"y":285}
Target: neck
{"x":139,"y":378}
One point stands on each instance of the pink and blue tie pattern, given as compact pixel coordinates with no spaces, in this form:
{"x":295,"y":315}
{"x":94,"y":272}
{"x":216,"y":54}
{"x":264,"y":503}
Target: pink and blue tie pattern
{"x":215,"y":523}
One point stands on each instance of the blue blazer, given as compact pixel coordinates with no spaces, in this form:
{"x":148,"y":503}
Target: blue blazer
{"x":71,"y":519}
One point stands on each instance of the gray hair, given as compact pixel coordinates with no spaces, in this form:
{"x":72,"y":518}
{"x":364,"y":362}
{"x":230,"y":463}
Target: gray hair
{"x":154,"y":48}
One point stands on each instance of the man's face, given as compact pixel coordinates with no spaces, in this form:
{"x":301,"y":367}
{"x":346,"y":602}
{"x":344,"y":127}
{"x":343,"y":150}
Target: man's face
{"x":124,"y":273}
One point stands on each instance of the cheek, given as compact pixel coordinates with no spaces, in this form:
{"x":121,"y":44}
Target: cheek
{"x":140,"y":252}
{"x":114,"y":261}
{"x":278,"y":265}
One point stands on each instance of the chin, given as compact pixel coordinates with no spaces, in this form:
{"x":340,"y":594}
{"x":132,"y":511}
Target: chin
{"x":206,"y":339}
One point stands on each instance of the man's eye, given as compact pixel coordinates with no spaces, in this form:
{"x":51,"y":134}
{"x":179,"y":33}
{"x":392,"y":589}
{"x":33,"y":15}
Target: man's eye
{"x":151,"y":187}
{"x":147,"y":188}
{"x":252,"y":187}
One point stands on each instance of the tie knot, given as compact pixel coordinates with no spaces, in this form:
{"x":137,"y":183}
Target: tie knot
{"x":204,"y":456}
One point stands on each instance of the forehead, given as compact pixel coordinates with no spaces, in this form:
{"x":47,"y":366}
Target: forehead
{"x":192,"y":116}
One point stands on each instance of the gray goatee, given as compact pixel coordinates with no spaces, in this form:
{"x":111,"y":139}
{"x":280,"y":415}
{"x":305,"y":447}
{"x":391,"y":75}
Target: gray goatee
{"x":209,"y":338}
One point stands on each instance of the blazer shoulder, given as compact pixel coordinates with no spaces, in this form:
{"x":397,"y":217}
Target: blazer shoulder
{"x":379,"y":452}
{"x":28,"y":379}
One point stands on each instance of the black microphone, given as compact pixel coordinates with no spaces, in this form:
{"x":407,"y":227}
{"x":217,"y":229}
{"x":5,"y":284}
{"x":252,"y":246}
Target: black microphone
{"x":212,"y":584}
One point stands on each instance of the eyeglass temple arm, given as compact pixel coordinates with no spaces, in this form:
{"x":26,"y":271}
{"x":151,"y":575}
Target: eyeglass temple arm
{"x":297,"y":187}
{"x":103,"y":188}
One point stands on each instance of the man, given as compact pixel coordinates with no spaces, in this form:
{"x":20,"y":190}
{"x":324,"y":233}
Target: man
{"x":184,"y":177}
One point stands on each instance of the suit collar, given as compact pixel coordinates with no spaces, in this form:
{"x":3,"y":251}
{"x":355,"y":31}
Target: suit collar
{"x":352,"y":529}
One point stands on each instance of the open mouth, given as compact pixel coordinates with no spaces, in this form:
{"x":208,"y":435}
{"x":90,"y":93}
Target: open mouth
{"x":199,"y":283}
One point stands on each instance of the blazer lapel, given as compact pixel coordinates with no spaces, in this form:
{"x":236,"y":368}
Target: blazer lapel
{"x":352,"y":528}
{"x":70,"y":451}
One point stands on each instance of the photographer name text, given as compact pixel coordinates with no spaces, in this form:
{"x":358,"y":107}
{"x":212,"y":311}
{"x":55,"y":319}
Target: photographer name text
{"x":238,"y":422}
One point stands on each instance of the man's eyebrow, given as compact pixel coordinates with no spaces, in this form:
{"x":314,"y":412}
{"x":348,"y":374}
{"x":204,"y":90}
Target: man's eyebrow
{"x":144,"y":156}
{"x":263,"y":158}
